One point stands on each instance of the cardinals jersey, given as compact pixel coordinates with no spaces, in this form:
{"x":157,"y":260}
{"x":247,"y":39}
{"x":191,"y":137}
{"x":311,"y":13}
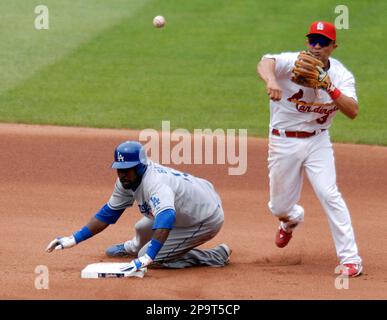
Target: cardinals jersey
{"x":302,"y":108}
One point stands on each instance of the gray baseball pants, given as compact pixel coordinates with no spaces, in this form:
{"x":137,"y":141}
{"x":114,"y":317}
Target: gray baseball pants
{"x":179,"y":250}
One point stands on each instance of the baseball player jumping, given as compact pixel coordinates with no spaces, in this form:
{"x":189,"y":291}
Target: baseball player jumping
{"x":307,"y":90}
{"x":180,"y":213}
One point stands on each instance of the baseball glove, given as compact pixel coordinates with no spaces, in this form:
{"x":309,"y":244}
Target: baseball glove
{"x":308,"y":72}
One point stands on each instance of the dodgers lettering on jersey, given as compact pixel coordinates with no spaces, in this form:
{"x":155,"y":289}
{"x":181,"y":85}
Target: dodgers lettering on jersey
{"x":194,"y":199}
{"x":302,"y":108}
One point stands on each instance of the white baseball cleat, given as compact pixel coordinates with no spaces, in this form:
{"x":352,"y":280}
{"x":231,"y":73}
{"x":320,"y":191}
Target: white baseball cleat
{"x":352,"y":270}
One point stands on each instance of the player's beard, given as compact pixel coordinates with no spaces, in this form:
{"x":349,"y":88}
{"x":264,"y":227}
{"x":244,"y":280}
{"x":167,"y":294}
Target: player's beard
{"x":131,"y":185}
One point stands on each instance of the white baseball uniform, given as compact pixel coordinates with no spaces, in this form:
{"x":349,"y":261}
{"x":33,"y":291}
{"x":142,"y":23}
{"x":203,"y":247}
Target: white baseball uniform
{"x":199,"y":215}
{"x":310,"y":110}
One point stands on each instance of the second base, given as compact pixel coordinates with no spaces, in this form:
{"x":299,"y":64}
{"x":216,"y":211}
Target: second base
{"x":109,"y":270}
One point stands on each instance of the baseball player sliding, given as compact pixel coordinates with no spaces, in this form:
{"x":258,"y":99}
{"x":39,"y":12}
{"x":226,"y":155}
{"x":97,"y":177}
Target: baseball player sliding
{"x":306,"y":90}
{"x":180,"y":213}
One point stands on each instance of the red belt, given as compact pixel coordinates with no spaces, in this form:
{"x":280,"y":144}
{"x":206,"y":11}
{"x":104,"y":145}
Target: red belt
{"x":297,"y":134}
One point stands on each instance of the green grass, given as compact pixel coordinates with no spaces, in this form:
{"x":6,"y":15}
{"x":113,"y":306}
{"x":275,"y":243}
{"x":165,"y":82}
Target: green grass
{"x":103,"y":64}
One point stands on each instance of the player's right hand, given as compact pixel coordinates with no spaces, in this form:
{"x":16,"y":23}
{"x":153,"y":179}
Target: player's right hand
{"x":273,"y":90}
{"x":61,"y":243}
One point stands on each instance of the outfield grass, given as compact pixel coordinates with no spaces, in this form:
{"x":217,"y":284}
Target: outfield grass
{"x":103,"y":64}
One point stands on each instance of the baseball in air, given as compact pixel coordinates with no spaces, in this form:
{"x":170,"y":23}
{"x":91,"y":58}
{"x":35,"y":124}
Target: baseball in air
{"x":159,"y":21}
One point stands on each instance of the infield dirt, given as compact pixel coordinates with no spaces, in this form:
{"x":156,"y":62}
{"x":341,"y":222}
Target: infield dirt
{"x":53,"y":179}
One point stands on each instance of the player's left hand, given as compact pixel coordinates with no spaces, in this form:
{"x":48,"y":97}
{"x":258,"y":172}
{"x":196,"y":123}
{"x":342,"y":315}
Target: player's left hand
{"x":309,"y":72}
{"x":137,"y":264}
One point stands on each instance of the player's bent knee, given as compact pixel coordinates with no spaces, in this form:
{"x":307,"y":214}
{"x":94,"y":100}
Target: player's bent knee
{"x":279,"y":210}
{"x":143,"y":225}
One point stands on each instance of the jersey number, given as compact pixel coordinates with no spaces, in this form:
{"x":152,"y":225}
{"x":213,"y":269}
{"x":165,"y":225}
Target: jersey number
{"x":322,"y":119}
{"x":180,"y":174}
{"x":176,"y":173}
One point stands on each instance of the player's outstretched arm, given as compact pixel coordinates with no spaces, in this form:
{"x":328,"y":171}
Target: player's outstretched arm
{"x":105,"y":216}
{"x":93,"y":227}
{"x":266,"y":70}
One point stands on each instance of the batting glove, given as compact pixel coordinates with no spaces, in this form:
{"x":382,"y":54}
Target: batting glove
{"x":61,"y":243}
{"x":137,"y":264}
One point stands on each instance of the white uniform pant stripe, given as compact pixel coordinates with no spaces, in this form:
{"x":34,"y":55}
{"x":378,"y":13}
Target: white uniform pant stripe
{"x":171,"y":252}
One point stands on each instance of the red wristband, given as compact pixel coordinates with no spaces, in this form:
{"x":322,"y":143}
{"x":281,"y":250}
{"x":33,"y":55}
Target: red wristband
{"x":335,"y":94}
